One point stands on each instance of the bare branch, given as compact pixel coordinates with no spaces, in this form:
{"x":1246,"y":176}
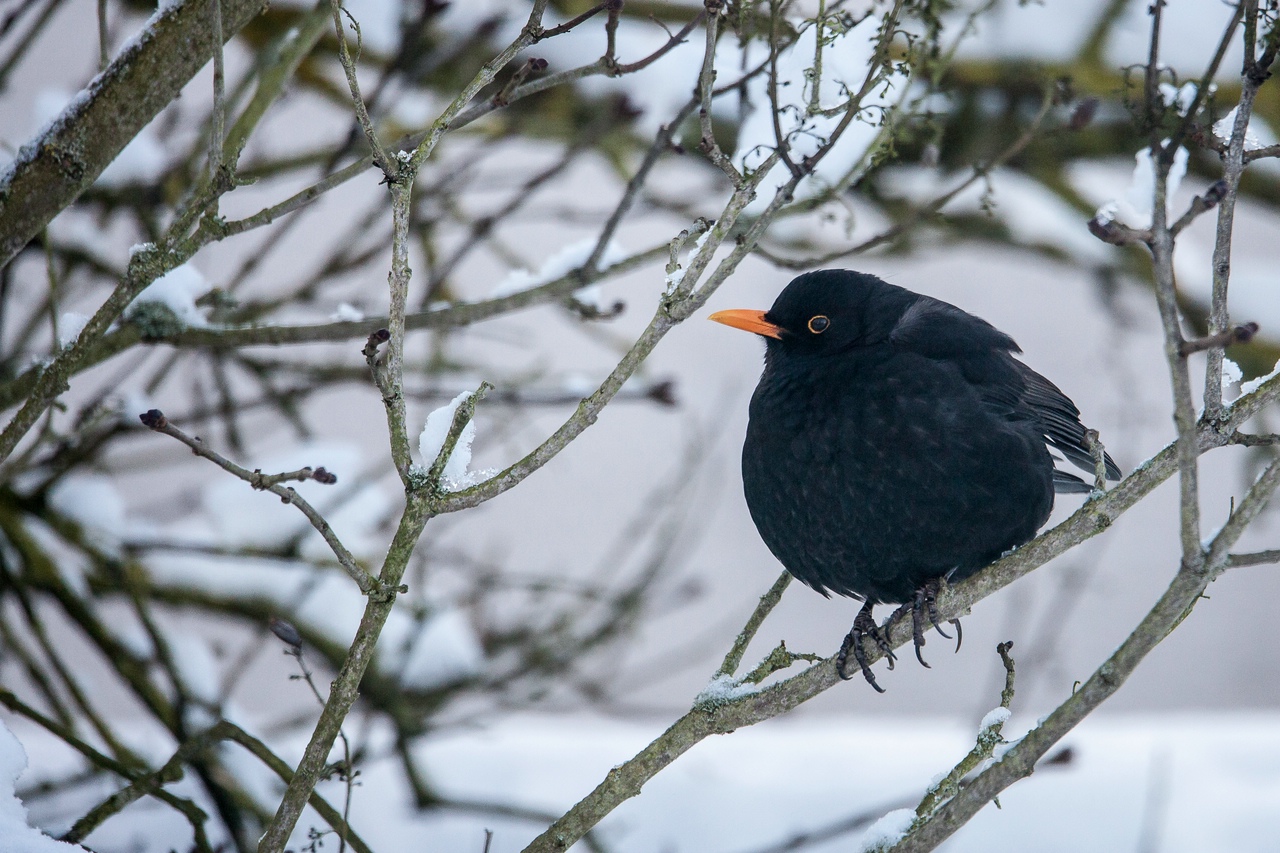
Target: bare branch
{"x":1238,"y":335}
{"x":51,"y":172}
{"x":1261,"y":558}
{"x":157,"y":422}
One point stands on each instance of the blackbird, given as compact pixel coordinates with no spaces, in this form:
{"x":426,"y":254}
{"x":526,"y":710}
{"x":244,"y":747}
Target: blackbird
{"x":895,"y":441}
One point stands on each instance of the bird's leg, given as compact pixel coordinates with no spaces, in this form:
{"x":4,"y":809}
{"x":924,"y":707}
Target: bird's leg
{"x":930,"y":590}
{"x":918,"y":608}
{"x":925,"y":604}
{"x":864,"y":625}
{"x":930,"y":593}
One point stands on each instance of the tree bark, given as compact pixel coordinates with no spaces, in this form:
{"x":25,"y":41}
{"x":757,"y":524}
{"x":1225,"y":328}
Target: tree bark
{"x":52,"y":170}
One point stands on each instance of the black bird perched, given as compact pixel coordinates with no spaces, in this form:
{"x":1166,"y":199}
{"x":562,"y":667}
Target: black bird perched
{"x":894,"y":441}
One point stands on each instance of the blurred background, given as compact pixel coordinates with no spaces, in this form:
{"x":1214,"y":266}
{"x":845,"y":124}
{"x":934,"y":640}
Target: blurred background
{"x":588,"y":607}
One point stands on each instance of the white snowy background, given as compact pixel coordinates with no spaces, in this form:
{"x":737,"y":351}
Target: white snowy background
{"x":1186,"y":758}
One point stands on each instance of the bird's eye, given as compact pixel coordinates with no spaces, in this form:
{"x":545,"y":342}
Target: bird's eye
{"x":819,"y":324}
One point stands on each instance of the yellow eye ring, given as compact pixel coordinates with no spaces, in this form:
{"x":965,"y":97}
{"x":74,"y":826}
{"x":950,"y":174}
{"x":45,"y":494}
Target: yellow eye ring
{"x":819,"y":324}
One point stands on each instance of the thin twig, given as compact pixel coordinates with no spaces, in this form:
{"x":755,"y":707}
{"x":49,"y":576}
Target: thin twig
{"x":218,"y":122}
{"x":379,"y":153}
{"x":1238,"y":335}
{"x":768,"y":601}
{"x":104,"y":36}
{"x":1233,"y":168}
{"x":1259,"y":558}
{"x":157,"y":422}
{"x":989,"y":738}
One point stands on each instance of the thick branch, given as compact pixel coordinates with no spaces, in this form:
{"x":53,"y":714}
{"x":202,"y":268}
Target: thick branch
{"x":1174,"y":606}
{"x":53,"y":169}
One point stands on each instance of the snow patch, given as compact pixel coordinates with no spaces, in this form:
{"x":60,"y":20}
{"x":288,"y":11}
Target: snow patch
{"x":17,"y":835}
{"x":591,"y":297}
{"x":1180,"y":97}
{"x":431,"y":442}
{"x":579,"y":384}
{"x":134,"y":402}
{"x":130,"y":633}
{"x":91,"y":501}
{"x":197,"y":669}
{"x":70,"y":325}
{"x":142,"y":162}
{"x":347,"y":313}
{"x":1231,"y":375}
{"x":445,"y":651}
{"x":887,"y":831}
{"x":764,"y":785}
{"x":673,"y":280}
{"x":564,"y":261}
{"x":995,"y":717}
{"x":1225,"y":126}
{"x":1135,"y":206}
{"x":178,"y":290}
{"x":724,"y":688}
{"x":1254,"y":384}
{"x":334,"y":607}
{"x":77,"y":229}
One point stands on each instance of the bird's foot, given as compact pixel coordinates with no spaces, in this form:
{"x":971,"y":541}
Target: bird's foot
{"x":864,"y":625}
{"x":930,"y":593}
{"x":925,"y":605}
{"x":918,"y":612}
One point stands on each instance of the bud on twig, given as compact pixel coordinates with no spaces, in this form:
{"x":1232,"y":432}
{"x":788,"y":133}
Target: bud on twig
{"x":1216,"y":193}
{"x":285,"y":632}
{"x":1241,"y":334}
{"x":1116,"y":233}
{"x":1083,"y":114}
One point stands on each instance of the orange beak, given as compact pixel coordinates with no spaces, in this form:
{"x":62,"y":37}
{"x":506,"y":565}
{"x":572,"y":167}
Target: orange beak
{"x":751,"y":321}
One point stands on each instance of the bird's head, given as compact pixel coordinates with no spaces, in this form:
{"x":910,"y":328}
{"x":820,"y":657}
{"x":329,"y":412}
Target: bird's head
{"x":825,"y":312}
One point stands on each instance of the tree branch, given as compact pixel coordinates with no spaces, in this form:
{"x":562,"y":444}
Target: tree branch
{"x":53,"y":169}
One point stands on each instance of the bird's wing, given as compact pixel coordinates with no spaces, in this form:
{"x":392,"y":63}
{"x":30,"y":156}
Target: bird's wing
{"x":1068,"y":484}
{"x":938,"y":329}
{"x":983,"y":354}
{"x":1059,"y":419}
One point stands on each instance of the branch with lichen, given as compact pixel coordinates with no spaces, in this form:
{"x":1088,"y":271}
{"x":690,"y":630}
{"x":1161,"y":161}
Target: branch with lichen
{"x":989,"y":738}
{"x":1175,"y":604}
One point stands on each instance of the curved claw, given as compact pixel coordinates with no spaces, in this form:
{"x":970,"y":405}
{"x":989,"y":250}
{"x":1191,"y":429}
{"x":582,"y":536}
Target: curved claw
{"x":929,"y":594}
{"x":918,"y":609}
{"x":924,"y":663}
{"x":959,"y":634}
{"x":863,"y":626}
{"x":853,"y":641}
